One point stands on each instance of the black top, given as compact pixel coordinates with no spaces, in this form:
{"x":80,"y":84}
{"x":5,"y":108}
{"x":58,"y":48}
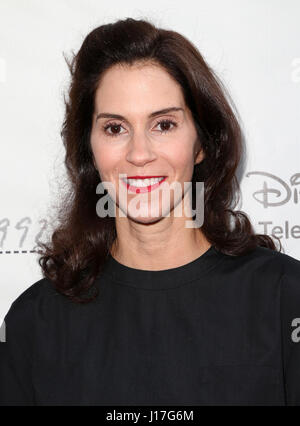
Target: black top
{"x":218,"y":330}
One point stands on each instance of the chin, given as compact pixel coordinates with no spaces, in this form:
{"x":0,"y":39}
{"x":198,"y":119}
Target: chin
{"x":145,"y":220}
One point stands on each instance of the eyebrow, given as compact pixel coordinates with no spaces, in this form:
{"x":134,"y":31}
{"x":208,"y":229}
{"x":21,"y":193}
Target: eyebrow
{"x":153,"y":114}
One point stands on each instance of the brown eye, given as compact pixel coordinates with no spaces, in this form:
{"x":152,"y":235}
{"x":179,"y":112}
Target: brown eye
{"x":165,"y":125}
{"x":114,"y":129}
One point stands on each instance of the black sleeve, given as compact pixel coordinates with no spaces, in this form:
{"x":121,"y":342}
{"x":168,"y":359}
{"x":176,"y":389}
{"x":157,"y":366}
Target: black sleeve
{"x":290,"y":326}
{"x":16,"y":349}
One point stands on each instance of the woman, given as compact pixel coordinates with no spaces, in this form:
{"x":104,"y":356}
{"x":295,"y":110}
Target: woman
{"x":141,"y":308}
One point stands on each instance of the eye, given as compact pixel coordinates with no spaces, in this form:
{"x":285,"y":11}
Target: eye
{"x":113,"y":126}
{"x":166,"y":123}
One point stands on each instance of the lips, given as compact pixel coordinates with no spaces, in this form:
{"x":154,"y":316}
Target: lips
{"x":144,"y":177}
{"x":137,"y":189}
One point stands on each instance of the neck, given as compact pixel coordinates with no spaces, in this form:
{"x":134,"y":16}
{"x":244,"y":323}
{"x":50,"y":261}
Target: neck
{"x":157,"y":246}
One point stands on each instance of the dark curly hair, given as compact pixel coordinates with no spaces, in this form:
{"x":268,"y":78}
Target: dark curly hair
{"x":81,"y":241}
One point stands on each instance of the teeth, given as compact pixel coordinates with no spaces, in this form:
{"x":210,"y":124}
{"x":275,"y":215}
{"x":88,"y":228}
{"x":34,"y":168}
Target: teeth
{"x":143,"y":182}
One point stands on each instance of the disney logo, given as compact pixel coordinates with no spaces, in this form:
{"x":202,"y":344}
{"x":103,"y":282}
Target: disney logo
{"x":274,"y":187}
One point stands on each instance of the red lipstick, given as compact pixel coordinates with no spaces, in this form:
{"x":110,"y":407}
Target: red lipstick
{"x":143,"y":177}
{"x":143,"y":189}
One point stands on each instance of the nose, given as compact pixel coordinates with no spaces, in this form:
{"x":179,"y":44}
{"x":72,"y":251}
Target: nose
{"x":140,"y":150}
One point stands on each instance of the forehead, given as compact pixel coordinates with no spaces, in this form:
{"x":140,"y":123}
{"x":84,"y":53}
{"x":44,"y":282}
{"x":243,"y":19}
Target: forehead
{"x":136,"y":88}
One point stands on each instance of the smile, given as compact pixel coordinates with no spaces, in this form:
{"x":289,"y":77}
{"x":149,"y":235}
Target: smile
{"x":143,"y":185}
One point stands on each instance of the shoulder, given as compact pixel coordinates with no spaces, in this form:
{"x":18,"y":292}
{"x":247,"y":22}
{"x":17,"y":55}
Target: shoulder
{"x":265,"y":259}
{"x":287,"y":269}
{"x":264,"y":270}
{"x":287,"y":263}
{"x":288,"y":266}
{"x":33,"y":298}
{"x":24,"y":315}
{"x":290,"y":283}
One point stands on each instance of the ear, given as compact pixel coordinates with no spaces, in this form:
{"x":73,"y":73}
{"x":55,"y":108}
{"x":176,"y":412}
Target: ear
{"x":199,"y":156}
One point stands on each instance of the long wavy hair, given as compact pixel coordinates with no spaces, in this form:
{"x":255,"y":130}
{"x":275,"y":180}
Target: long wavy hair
{"x":77,"y":249}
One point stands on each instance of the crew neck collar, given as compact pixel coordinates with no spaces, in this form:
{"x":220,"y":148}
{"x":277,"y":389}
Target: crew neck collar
{"x":165,"y":278}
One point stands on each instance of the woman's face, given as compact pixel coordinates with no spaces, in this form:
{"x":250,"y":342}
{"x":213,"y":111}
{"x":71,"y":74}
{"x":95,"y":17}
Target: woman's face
{"x":142,"y":142}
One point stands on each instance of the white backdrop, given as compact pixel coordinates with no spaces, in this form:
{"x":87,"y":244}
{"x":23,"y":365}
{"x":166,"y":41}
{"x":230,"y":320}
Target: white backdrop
{"x":253,"y":45}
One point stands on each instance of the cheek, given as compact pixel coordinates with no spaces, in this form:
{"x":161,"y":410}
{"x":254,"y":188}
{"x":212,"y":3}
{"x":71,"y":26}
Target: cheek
{"x":105,"y":159}
{"x":181,"y":157}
